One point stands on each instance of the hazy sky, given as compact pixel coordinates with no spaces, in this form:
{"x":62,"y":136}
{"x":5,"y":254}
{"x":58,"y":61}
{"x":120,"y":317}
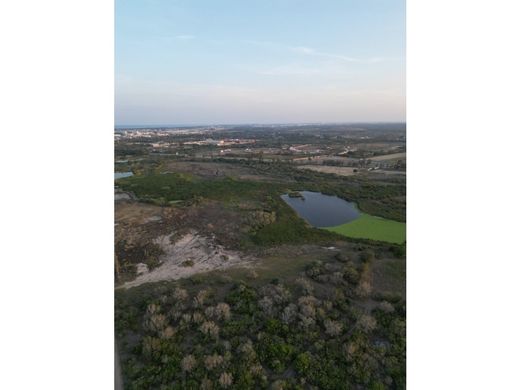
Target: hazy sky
{"x":259,"y":61}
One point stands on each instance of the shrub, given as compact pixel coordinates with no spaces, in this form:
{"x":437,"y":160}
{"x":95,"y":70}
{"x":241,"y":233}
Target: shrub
{"x":289,"y":313}
{"x":367,"y":323}
{"x":167,"y":333}
{"x":209,"y":328}
{"x":201,"y":297}
{"x":333,"y":328}
{"x":206,"y":384}
{"x":188,"y":363}
{"x":266,"y":304}
{"x":305,"y":285}
{"x":386,"y":307}
{"x":225,"y":379}
{"x":213,"y":361}
{"x":223,"y":311}
{"x":303,"y":362}
{"x":364,"y":289}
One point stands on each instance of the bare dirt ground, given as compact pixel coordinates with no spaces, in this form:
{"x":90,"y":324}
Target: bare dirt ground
{"x":136,"y":222}
{"x":340,"y":171}
{"x":187,"y":256}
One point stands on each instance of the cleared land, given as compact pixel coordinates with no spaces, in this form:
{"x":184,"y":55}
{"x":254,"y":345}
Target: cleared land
{"x":373,"y":228}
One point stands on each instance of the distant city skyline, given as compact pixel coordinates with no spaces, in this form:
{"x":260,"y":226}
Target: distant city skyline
{"x":196,"y":62}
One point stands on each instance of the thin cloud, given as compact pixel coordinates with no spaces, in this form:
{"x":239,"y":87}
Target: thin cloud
{"x":312,"y":52}
{"x":309,"y":51}
{"x":290,"y":70}
{"x":184,"y":37}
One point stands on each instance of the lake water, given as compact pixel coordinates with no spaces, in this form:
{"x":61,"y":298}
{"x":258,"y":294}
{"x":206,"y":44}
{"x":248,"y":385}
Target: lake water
{"x":120,"y":175}
{"x":322,"y":210}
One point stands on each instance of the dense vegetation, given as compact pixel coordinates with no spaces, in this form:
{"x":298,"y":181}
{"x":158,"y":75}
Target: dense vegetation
{"x":319,"y":310}
{"x":165,"y":189}
{"x":310,"y":332}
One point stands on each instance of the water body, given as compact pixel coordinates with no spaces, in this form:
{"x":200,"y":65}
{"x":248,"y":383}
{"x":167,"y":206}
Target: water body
{"x":120,"y":175}
{"x":322,"y":210}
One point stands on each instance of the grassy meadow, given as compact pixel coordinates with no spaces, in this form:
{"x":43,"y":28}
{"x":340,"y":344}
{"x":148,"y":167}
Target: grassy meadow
{"x":373,"y":228}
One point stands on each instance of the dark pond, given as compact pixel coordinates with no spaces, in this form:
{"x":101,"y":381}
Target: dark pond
{"x":322,"y":210}
{"x":120,"y":175}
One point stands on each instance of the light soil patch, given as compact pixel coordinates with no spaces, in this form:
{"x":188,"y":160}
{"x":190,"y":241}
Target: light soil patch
{"x":340,"y":171}
{"x":189,"y":255}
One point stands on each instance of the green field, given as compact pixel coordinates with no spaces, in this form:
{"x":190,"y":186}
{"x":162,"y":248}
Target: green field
{"x":373,"y":228}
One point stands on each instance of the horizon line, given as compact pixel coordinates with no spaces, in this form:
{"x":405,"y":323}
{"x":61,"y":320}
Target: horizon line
{"x":258,"y":124}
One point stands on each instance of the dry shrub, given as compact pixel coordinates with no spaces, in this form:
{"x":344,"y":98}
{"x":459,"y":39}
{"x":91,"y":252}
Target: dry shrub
{"x":197,"y":317}
{"x":206,"y":384}
{"x":307,"y":322}
{"x":152,"y":308}
{"x":167,"y":333}
{"x":266,"y":304}
{"x":333,"y":328}
{"x":186,"y":319}
{"x":225,"y":379}
{"x":305,"y":285}
{"x":223,"y":311}
{"x":213,"y":361}
{"x":289,"y":313}
{"x":150,"y":346}
{"x":277,"y":292}
{"x":210,"y":312}
{"x":349,"y":350}
{"x":387,"y":307}
{"x":327,"y":305}
{"x":308,"y":300}
{"x":364,"y":289}
{"x":158,"y":322}
{"x":247,"y":350}
{"x":209,"y":328}
{"x":180,"y":294}
{"x":367,"y":323}
{"x":201,"y":297}
{"x":256,"y":370}
{"x":188,"y":363}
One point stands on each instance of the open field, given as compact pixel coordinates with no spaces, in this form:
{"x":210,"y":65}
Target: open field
{"x":340,"y":171}
{"x":373,"y":228}
{"x":393,"y":156}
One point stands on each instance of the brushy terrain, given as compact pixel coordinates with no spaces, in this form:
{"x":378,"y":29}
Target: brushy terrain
{"x":312,"y":331}
{"x":317,"y":308}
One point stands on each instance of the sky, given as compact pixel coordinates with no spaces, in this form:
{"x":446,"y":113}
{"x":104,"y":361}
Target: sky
{"x":259,"y":61}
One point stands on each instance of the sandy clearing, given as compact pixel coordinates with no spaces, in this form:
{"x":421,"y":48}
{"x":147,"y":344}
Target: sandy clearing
{"x":205,"y":254}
